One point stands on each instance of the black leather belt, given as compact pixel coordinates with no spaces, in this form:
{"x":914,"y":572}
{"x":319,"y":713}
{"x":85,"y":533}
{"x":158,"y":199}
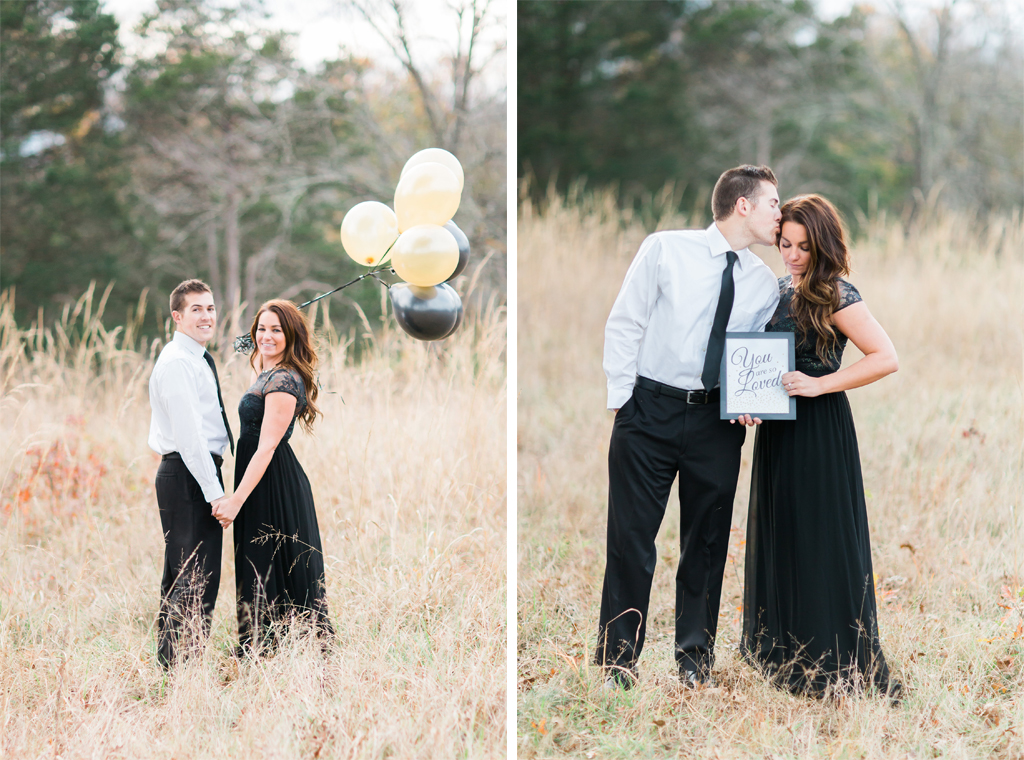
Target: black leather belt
{"x":690,"y":397}
{"x":217,"y":459}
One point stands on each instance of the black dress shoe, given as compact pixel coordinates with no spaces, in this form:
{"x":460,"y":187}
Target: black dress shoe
{"x":692,"y":679}
{"x":619,"y":678}
{"x":895,"y":694}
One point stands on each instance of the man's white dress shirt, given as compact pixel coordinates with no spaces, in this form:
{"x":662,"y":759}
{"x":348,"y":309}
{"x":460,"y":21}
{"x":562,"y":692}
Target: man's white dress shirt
{"x":186,"y":415}
{"x":661,"y":321}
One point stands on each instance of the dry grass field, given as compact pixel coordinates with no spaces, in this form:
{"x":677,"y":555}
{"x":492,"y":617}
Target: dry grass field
{"x":409,"y":476}
{"x":941,"y":443}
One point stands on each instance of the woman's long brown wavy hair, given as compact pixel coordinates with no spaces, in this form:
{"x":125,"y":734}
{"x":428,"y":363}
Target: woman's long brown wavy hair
{"x":299,"y":352}
{"x":816,"y":297}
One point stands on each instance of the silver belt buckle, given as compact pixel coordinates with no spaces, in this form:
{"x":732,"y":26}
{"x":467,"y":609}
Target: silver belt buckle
{"x":696,"y":397}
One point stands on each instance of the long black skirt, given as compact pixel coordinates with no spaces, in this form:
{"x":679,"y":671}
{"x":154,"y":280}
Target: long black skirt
{"x":809,"y":616}
{"x":279,"y":562}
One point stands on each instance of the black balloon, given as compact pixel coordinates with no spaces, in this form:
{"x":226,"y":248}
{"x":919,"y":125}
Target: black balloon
{"x":458,"y":320}
{"x":429,"y":313}
{"x":463,"y":241}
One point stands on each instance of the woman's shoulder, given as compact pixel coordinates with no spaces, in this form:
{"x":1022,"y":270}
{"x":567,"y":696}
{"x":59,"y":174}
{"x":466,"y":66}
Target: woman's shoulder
{"x":848,"y":294}
{"x":284,"y":380}
{"x":284,"y":371}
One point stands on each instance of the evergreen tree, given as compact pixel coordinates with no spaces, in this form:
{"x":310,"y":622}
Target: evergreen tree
{"x":62,"y":181}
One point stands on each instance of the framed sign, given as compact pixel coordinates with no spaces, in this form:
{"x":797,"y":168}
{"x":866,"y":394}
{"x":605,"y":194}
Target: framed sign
{"x":751,"y":376}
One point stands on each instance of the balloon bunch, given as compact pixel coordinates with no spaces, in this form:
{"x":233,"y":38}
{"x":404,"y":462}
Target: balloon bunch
{"x":425,"y":247}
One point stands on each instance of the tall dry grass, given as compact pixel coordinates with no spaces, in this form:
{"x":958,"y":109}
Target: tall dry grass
{"x":408,"y":473}
{"x":941,"y":443}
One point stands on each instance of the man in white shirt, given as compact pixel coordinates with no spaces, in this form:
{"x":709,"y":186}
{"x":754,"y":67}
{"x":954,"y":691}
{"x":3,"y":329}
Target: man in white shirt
{"x":189,"y":429}
{"x":665,"y":395}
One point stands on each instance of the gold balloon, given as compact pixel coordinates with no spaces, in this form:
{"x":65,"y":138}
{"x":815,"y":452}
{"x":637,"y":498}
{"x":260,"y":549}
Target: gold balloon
{"x":367,"y":232}
{"x":438,"y":156}
{"x":427,"y":194}
{"x":425,"y":255}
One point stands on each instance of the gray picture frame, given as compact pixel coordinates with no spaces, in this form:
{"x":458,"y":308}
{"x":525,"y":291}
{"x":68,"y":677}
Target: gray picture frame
{"x":740,"y":375}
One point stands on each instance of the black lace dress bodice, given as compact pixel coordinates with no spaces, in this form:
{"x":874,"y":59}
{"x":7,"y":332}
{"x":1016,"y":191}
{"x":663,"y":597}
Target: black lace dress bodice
{"x":807,"y":359}
{"x":253,"y":404}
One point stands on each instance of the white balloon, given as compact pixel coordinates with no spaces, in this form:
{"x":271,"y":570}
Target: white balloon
{"x":425,"y":255}
{"x":368,"y":231}
{"x":427,"y":194}
{"x":440,"y":156}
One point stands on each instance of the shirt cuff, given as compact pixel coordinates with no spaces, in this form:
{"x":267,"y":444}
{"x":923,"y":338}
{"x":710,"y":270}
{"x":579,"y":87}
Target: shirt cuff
{"x":212,"y":493}
{"x":617,"y":397}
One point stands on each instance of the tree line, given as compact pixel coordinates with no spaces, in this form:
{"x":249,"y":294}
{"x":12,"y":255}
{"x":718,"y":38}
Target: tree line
{"x":878,"y":109}
{"x":214,"y":153}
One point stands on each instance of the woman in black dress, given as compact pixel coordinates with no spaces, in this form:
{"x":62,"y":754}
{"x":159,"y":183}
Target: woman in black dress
{"x":809,"y":615}
{"x":279,"y":563}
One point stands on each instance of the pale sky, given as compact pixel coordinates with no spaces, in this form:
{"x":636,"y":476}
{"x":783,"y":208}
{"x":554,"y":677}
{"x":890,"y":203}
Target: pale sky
{"x":323,"y":29}
{"x":832,"y":9}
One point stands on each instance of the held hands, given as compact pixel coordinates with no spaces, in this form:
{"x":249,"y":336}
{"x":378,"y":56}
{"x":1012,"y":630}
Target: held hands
{"x":225,"y":509}
{"x":799,"y":384}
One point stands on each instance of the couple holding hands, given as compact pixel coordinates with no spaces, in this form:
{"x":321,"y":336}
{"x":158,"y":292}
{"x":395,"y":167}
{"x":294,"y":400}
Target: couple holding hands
{"x":809,"y":613}
{"x":279,"y":565}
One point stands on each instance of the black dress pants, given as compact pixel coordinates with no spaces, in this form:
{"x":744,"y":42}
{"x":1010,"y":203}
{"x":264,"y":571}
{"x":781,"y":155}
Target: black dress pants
{"x":654,"y":438}
{"x":192,"y":556}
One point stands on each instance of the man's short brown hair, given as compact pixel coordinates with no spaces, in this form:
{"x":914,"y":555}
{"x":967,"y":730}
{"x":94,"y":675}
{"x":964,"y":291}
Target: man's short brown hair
{"x":184,"y":289}
{"x":741,"y":182}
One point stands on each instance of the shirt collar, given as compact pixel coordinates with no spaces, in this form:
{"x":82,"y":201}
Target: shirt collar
{"x":191,"y":345}
{"x":719,"y":245}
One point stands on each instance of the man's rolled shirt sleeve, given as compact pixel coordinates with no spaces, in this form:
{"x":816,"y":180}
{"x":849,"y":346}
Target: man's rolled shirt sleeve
{"x":624,"y":331}
{"x":179,"y":393}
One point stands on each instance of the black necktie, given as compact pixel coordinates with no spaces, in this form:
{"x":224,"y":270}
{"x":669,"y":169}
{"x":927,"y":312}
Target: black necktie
{"x":220,"y":399}
{"x":716,"y":343}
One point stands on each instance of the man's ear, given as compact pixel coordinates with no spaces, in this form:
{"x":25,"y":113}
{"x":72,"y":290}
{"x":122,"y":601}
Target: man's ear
{"x":176,"y":317}
{"x":742,"y":206}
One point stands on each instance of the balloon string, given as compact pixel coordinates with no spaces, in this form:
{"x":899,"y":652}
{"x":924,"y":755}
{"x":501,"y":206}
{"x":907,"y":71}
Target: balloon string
{"x":375,"y":275}
{"x":243,"y":343}
{"x":372,"y":274}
